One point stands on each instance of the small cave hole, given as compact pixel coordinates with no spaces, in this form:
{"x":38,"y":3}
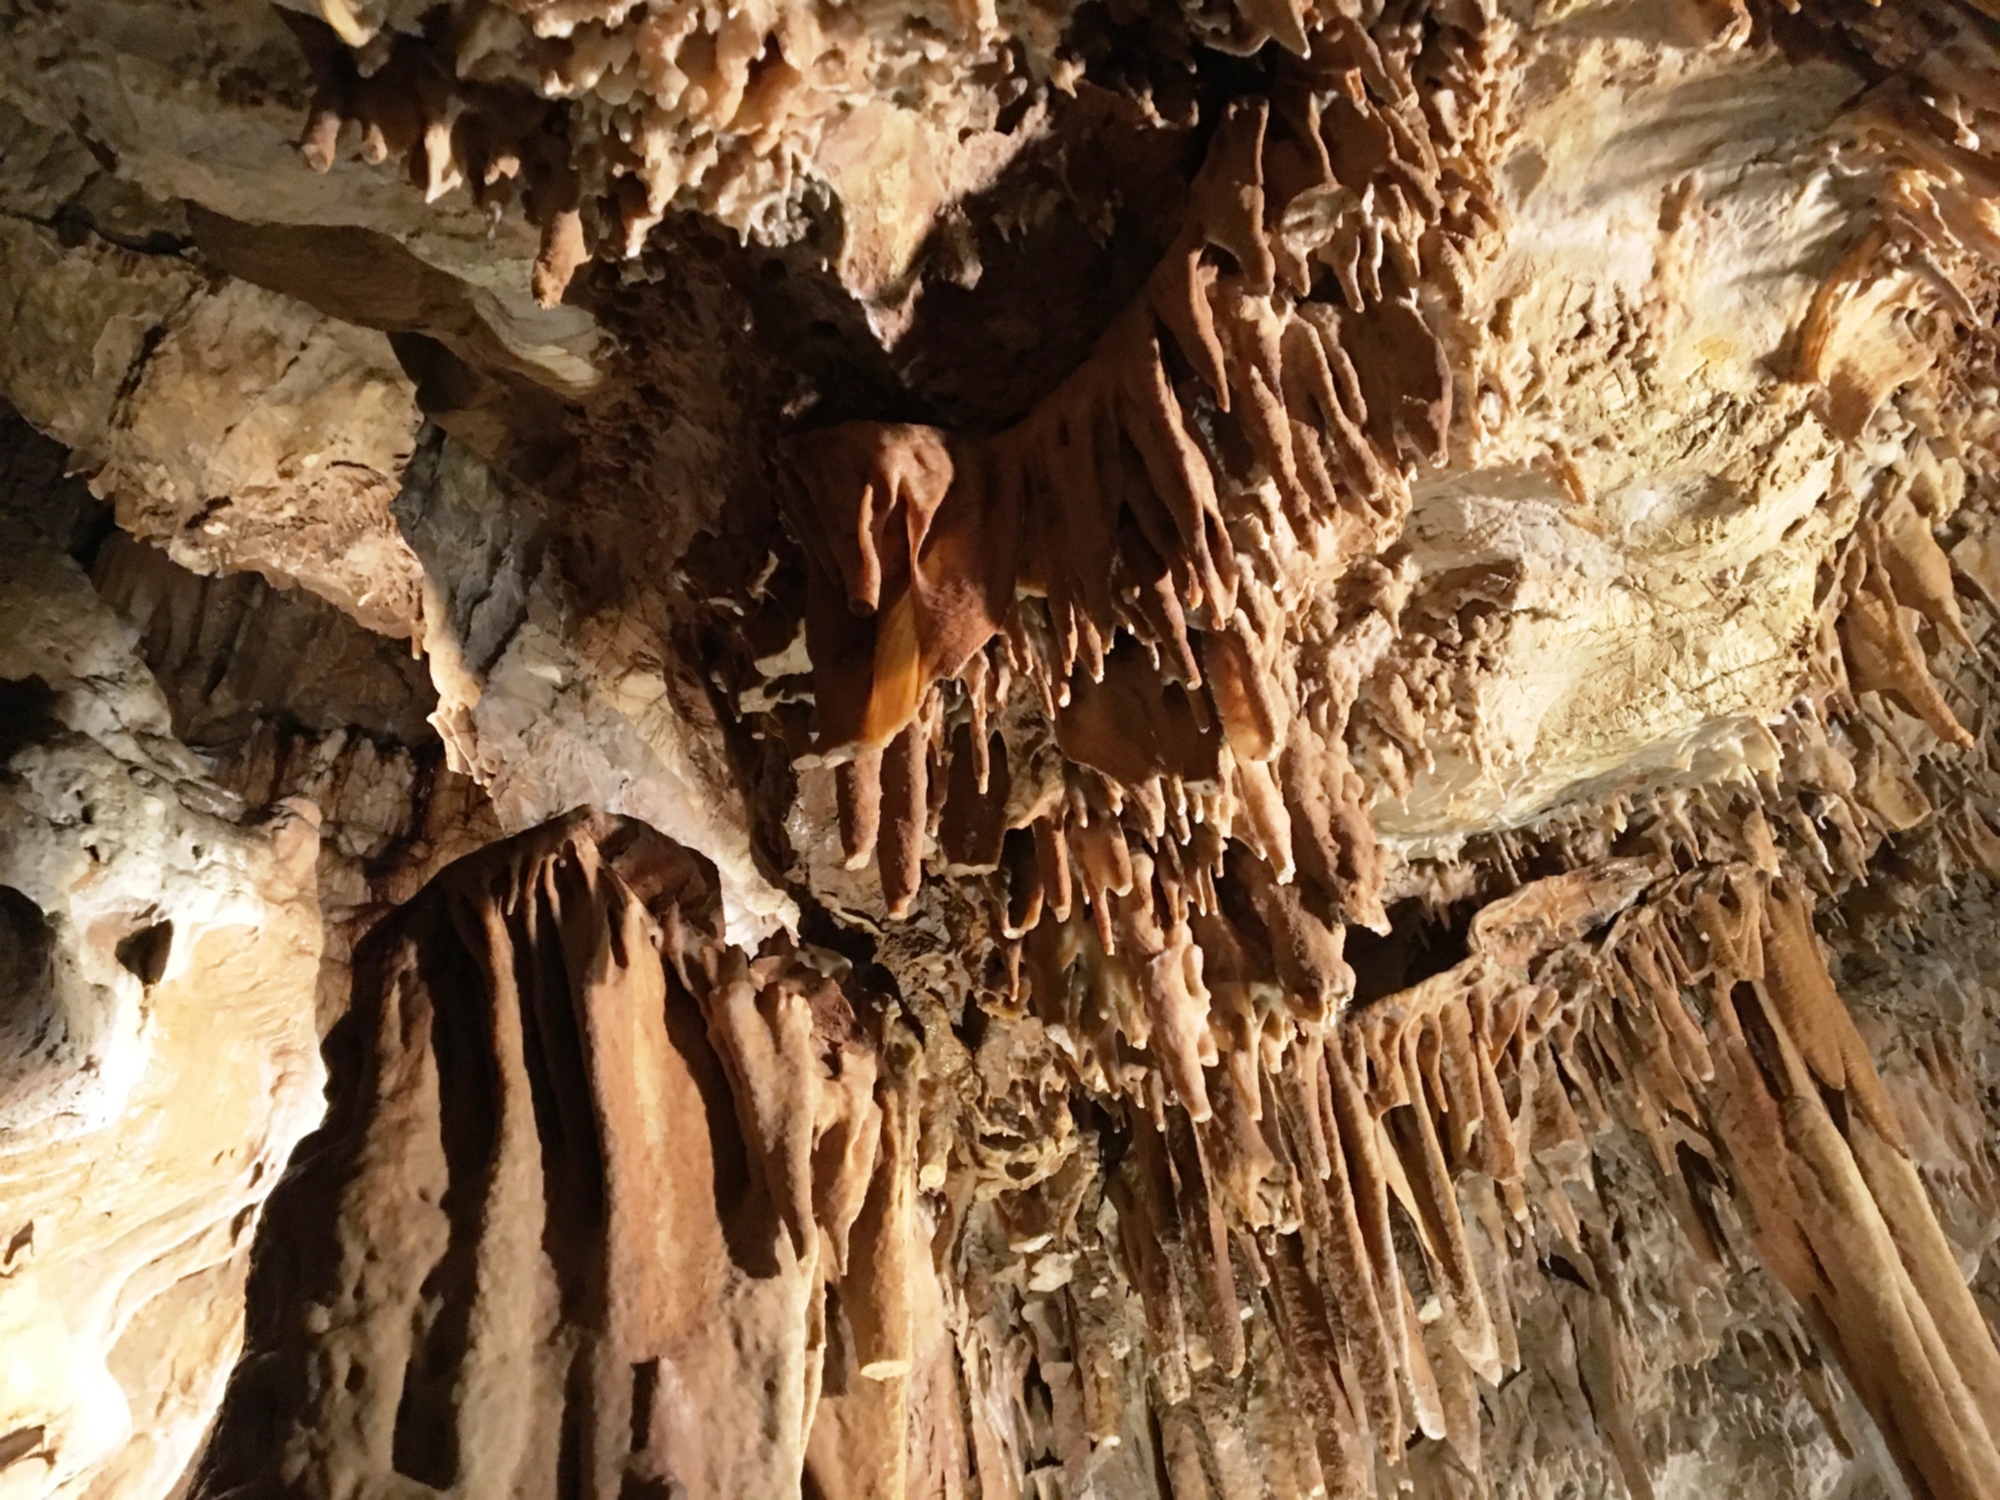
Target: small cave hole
{"x":37,"y":1036}
{"x":144,"y":953}
{"x":1563,"y":1269}
{"x":27,"y":946}
{"x":1419,"y":944}
{"x":645,"y":1391}
{"x":27,"y":713}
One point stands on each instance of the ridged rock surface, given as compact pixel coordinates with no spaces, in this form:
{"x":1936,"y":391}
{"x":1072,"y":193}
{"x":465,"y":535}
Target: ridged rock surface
{"x":158,"y":1052}
{"x":1227,"y":751}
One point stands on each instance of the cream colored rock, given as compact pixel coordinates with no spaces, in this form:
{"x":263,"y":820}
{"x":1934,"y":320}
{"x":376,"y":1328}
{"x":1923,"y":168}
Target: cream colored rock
{"x":236,"y":426}
{"x":77,"y":325}
{"x":204,"y":103}
{"x":157,"y":949}
{"x":1643,"y":514}
{"x":542,"y":725}
{"x":260,"y":435}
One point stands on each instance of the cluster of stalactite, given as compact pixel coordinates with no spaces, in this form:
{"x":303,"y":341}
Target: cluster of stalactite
{"x":1097,"y":666}
{"x":608,"y":1207}
{"x":1329,"y":1269}
{"x":591,"y":1176}
{"x":602,"y":118}
{"x":1096,"y":672}
{"x":1328,"y":1274}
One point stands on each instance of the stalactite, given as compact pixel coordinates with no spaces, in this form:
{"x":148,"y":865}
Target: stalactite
{"x":1092,"y":698}
{"x":603,"y":119}
{"x":592,"y":1180}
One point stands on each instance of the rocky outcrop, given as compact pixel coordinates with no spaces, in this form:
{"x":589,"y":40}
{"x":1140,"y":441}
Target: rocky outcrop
{"x":285,"y":697}
{"x":155,"y":945}
{"x":237,"y":427}
{"x":598,"y":1196}
{"x":548,"y":713}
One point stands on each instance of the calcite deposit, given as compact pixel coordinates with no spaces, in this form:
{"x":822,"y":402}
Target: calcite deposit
{"x":999,"y":751}
{"x":161,"y":950}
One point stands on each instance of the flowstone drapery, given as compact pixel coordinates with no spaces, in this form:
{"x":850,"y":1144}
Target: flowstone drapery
{"x":1219,"y":752}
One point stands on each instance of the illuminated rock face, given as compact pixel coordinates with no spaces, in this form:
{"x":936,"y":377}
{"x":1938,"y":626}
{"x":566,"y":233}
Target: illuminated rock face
{"x":1227,"y":751}
{"x":160,"y":1061}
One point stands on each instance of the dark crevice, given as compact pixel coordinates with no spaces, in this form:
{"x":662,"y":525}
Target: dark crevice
{"x":144,"y":953}
{"x":1419,"y":945}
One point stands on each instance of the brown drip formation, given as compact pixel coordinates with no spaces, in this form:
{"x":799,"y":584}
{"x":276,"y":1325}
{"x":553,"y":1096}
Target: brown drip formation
{"x":603,"y":118}
{"x":587,"y":1173}
{"x":1323,"y":1209}
{"x":1181,"y":1204}
{"x":1049,"y":643}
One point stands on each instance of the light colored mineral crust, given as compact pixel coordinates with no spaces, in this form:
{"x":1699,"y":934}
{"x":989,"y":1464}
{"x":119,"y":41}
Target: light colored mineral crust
{"x":155,"y":951}
{"x":546,"y":716}
{"x":603,"y":116}
{"x":238,"y":428}
{"x":201,"y":104}
{"x":1646,"y":495}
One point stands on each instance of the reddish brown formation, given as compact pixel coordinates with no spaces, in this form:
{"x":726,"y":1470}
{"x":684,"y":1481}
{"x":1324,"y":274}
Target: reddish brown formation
{"x":1212,"y":1149}
{"x":1047,"y":641}
{"x":570,"y":1224}
{"x":603,"y":119}
{"x":603,"y":1198}
{"x":1842,"y":1219}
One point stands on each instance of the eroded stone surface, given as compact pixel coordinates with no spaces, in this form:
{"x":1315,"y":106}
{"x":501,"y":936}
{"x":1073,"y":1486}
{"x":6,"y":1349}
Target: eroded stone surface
{"x":237,"y":427}
{"x":589,"y":1172}
{"x":1348,"y":655}
{"x":158,"y":947}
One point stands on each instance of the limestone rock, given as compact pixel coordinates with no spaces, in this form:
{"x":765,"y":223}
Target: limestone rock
{"x":568,"y":1225}
{"x":1289,"y":710}
{"x":239,"y":428}
{"x":538,"y":719}
{"x":157,"y":947}
{"x":232,"y":650}
{"x":284,"y":696}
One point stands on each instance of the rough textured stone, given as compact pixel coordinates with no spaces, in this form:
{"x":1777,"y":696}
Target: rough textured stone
{"x":158,"y":947}
{"x":237,"y":427}
{"x":1292,"y":709}
{"x":555,"y":1233}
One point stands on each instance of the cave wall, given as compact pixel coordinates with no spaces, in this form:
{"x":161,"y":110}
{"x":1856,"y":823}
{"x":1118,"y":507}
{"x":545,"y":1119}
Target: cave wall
{"x":1231,"y":750}
{"x":159,"y":939}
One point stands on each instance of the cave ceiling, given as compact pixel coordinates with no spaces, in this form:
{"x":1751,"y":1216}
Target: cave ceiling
{"x":999,"y":750}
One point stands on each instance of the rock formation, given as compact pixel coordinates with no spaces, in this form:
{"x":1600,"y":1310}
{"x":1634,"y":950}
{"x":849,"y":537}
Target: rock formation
{"x":160,"y":956}
{"x":999,"y":752}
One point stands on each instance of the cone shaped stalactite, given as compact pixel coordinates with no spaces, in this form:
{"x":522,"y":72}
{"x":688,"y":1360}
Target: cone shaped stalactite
{"x":594,"y":1193}
{"x":1249,"y":697}
{"x":603,"y":1196}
